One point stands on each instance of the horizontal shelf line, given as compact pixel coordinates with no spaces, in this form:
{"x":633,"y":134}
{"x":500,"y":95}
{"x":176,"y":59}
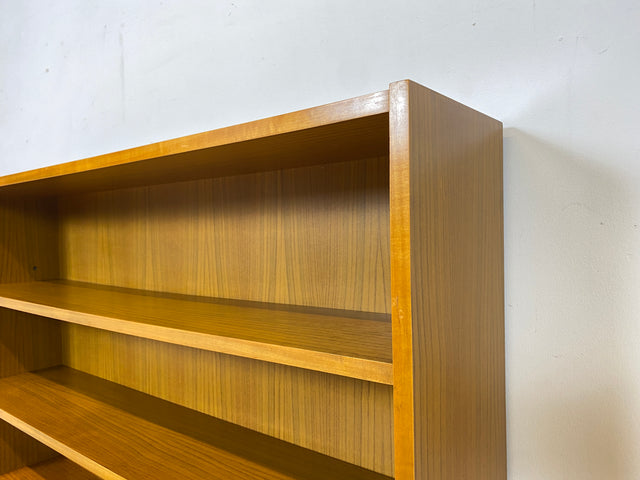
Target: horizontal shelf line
{"x":352,"y":347}
{"x":58,"y":468}
{"x":118,"y":433}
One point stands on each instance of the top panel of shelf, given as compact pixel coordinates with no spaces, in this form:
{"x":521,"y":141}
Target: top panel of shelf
{"x":346,"y":130}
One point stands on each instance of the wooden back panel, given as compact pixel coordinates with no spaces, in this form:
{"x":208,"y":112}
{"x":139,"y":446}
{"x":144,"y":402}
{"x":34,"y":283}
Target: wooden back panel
{"x":345,"y":418}
{"x":313,"y":236}
{"x":29,"y":240}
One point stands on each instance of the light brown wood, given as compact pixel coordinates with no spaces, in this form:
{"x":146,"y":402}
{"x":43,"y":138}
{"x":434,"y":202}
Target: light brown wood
{"x":338,"y":416}
{"x":313,"y":236}
{"x":346,"y":130}
{"x":293,"y":211}
{"x":56,"y":469}
{"x":447,"y":288}
{"x":118,"y":433}
{"x":327,"y":342}
{"x":331,"y":250}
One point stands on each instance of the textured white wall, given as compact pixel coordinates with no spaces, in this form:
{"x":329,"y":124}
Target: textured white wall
{"x":85,"y":77}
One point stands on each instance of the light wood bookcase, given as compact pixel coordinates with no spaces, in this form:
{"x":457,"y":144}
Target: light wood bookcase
{"x":317,"y":295}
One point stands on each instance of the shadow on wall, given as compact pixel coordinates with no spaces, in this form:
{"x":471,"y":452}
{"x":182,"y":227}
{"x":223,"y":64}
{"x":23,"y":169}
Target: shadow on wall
{"x":572,"y":277}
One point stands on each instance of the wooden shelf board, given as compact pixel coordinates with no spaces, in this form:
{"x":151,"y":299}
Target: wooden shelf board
{"x":357,"y":345}
{"x":346,"y":130}
{"x":117,"y":433}
{"x":59,"y":468}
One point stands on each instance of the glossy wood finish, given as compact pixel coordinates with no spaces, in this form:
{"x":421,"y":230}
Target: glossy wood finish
{"x":313,"y":236}
{"x":137,"y":436}
{"x":346,"y":130}
{"x":56,"y":469}
{"x":329,"y":341}
{"x":342,"y":417}
{"x":447,"y":288}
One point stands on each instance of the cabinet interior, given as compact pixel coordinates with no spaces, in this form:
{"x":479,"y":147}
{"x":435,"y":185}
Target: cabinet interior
{"x":312,"y":237}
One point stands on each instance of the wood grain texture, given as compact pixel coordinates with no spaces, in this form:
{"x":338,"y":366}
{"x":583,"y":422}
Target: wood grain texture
{"x":117,"y":433}
{"x":347,"y":130}
{"x":292,"y":210}
{"x":18,"y":449}
{"x":327,"y":340}
{"x":28,"y":239}
{"x":447,"y":288}
{"x":345,"y":418}
{"x":27,"y":342}
{"x":313,"y":236}
{"x":28,"y":252}
{"x":55,"y":469}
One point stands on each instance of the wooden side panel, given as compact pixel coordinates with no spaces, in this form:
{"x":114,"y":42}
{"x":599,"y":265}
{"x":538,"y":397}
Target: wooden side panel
{"x":28,"y":251}
{"x":341,"y":417}
{"x":447,"y":288}
{"x":313,"y":236}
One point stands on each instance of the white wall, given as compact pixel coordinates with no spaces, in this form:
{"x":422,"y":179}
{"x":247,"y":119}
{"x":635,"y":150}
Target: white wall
{"x":85,"y":77}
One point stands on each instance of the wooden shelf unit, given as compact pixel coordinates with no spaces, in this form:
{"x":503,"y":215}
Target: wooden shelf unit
{"x":313,"y":295}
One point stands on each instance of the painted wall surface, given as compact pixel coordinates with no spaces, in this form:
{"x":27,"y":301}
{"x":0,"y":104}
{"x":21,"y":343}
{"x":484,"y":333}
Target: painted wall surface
{"x":85,"y":77}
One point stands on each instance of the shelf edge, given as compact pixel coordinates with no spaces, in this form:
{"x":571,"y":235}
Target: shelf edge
{"x":57,"y":468}
{"x":353,"y":367}
{"x":354,"y":108}
{"x":60,"y":447}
